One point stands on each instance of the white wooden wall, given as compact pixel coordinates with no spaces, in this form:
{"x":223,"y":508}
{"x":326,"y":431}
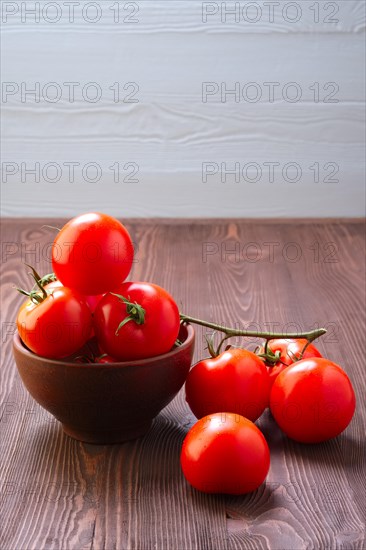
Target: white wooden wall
{"x":161,"y":148}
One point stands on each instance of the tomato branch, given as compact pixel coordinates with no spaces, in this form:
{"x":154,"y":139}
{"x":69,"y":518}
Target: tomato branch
{"x":309,"y":335}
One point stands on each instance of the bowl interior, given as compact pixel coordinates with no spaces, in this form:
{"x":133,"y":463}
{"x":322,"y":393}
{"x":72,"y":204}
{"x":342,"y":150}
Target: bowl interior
{"x":185,"y":336}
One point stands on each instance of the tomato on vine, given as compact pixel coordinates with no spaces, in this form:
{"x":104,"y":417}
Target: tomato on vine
{"x":312,"y":400}
{"x":235,"y":381}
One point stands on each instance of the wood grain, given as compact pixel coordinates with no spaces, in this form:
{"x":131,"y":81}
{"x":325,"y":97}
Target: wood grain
{"x":57,"y":493}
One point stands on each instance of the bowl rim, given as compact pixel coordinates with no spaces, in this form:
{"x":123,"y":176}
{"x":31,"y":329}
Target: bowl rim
{"x":18,"y":344}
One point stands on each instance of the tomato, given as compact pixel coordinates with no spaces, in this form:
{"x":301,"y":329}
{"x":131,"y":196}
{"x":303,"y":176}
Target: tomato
{"x":145,"y":326}
{"x":105,"y":359}
{"x":92,"y":301}
{"x":236,"y":381}
{"x":92,"y":253}
{"x":312,"y":400}
{"x":56,"y":327}
{"x":225,"y":453}
{"x":290,"y":352}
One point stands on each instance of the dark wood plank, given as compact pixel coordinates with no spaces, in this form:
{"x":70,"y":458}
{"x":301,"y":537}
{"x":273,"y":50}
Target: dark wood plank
{"x":58,"y":493}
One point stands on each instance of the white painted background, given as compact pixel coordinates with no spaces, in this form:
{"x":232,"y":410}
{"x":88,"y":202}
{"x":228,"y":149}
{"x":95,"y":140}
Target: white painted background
{"x":169,"y":51}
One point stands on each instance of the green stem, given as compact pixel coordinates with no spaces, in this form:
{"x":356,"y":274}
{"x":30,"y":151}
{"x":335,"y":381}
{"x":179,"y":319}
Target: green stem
{"x":46,"y":279}
{"x":310,"y":335}
{"x":34,"y":295}
{"x":135,"y":312}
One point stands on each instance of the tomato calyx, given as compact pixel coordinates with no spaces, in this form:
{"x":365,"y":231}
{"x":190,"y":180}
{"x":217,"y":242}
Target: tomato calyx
{"x":274,"y":358}
{"x":270,"y":358}
{"x":47,"y":279}
{"x":265,"y":353}
{"x":38,"y":294}
{"x":135,"y":312}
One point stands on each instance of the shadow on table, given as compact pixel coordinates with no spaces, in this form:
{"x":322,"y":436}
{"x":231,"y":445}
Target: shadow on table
{"x":150,"y":466}
{"x":342,"y":450}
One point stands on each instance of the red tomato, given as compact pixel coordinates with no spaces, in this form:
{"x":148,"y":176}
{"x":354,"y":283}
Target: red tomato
{"x":56,"y":327}
{"x":127,"y":332}
{"x":92,"y":301}
{"x":236,"y":381}
{"x":312,"y":400}
{"x":105,"y":359}
{"x":92,"y":253}
{"x":225,"y":453}
{"x":290,"y":352}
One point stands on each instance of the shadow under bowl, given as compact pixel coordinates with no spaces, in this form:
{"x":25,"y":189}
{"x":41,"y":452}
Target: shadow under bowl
{"x":106,"y":403}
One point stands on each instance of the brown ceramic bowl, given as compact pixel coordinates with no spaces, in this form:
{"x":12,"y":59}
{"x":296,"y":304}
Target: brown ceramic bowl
{"x":106,"y":403}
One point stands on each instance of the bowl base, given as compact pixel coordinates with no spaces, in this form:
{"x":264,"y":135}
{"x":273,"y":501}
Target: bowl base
{"x":108,"y":437}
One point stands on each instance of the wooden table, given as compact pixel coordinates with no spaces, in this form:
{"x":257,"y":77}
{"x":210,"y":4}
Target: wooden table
{"x":59,"y":493}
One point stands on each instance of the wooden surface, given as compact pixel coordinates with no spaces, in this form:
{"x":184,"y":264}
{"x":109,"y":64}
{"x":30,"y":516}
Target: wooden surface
{"x":59,"y":493}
